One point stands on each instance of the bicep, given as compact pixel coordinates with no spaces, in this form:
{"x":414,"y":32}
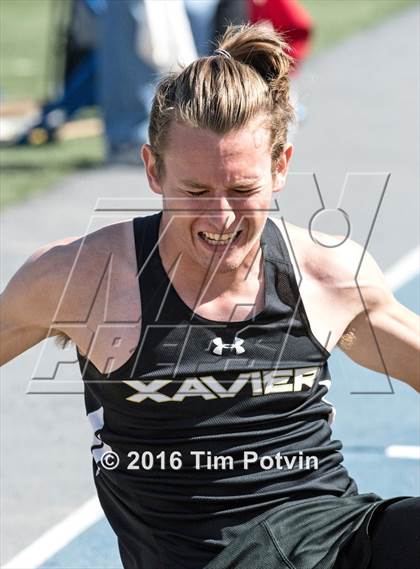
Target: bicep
{"x":23,"y":323}
{"x":385,"y":338}
{"x":16,"y":338}
{"x":29,"y":303}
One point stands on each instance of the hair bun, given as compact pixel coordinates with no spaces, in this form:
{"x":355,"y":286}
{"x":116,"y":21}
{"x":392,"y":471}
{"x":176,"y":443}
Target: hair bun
{"x":259,"y":46}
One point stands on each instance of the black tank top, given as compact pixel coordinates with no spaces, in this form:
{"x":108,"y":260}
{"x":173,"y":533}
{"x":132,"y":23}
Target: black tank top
{"x":215,"y":424}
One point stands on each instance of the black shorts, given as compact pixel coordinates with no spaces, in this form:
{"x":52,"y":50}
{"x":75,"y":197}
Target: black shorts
{"x":390,"y":539}
{"x":308,"y":534}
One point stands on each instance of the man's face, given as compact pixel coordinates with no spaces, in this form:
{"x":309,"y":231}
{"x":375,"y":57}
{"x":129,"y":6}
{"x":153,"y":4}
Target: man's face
{"x":217,"y":191}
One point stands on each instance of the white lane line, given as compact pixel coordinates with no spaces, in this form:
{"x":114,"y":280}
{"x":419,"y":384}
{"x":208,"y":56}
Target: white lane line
{"x":403,"y":451}
{"x":58,"y":536}
{"x":397,"y":276}
{"x":404,"y":270}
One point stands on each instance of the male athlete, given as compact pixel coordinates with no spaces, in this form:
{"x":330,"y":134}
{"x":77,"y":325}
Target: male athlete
{"x":205,"y":365}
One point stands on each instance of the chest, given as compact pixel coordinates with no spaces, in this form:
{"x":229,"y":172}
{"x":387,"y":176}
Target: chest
{"x":113,"y":324}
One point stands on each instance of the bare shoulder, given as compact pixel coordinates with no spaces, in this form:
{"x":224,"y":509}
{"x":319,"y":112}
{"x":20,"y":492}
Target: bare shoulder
{"x":63,"y":289}
{"x":335,"y":262}
{"x":57,"y":259}
{"x":64,"y":271}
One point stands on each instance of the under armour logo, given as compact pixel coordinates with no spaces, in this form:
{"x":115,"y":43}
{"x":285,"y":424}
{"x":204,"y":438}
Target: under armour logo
{"x":220,"y":348}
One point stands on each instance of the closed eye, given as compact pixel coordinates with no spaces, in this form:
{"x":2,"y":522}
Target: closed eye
{"x":237,"y":192}
{"x":196,"y":193}
{"x":246,"y":191}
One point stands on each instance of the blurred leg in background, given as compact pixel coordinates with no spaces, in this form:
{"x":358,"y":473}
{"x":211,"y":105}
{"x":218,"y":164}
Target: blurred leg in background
{"x":127,"y":81}
{"x":202,"y":18}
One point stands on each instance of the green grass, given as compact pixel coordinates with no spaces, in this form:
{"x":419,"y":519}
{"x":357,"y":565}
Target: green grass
{"x":26,"y":37}
{"x":336,"y":19}
{"x":28,"y":170}
{"x":27,"y":48}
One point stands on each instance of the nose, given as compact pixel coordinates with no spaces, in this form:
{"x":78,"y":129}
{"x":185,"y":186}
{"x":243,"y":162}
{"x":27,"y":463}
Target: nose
{"x":221,"y":213}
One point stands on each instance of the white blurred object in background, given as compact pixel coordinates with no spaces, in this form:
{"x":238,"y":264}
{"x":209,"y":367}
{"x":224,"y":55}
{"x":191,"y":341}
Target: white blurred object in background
{"x":164,"y":38}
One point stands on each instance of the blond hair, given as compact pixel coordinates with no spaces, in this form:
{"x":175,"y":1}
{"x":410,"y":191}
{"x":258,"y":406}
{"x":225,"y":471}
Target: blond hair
{"x":224,"y":91}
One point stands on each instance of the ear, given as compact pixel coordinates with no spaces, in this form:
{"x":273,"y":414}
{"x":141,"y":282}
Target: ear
{"x":149,"y":160}
{"x":282,"y":167}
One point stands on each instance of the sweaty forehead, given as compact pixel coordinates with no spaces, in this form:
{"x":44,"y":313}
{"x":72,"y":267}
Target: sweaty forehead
{"x":188,"y":147}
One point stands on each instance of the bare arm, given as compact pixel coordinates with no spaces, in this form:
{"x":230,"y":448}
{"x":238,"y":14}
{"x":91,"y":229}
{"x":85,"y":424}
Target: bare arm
{"x":29,"y":301}
{"x":384,"y":335}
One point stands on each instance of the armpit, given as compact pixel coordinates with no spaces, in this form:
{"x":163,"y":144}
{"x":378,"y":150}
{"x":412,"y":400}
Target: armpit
{"x":347,"y":339}
{"x":62,"y":340}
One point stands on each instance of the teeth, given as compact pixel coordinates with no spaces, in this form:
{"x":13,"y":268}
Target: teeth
{"x":219,"y":238}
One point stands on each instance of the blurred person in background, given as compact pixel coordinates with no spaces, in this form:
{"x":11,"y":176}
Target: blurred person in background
{"x":127,"y":77}
{"x":288,"y":17}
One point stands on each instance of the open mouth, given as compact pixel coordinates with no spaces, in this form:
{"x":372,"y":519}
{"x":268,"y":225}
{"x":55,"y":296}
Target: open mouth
{"x":217,"y":239}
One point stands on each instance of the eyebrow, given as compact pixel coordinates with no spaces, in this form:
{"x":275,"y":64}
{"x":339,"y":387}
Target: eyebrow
{"x":247,"y":183}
